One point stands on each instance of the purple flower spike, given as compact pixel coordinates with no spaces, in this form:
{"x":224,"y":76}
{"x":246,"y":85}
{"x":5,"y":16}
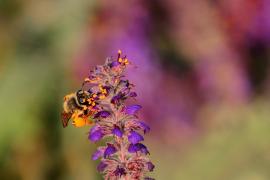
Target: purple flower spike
{"x":106,"y":91}
{"x":135,"y":137}
{"x":150,"y":166}
{"x":97,"y":154}
{"x":132,"y":109}
{"x":95,"y":134}
{"x":102,"y":114}
{"x":144,"y":126}
{"x":101,"y":166}
{"x":109,"y":150}
{"x":117,"y":131}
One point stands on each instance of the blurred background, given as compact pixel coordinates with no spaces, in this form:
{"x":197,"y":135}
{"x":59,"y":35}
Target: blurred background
{"x":203,"y":79}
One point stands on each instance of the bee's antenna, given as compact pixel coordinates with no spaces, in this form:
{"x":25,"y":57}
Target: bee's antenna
{"x":82,"y":86}
{"x":86,"y":80}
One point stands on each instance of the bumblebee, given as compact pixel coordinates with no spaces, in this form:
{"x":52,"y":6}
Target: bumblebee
{"x":77,"y":107}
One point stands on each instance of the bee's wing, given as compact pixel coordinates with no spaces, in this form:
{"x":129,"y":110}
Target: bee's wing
{"x":65,"y":118}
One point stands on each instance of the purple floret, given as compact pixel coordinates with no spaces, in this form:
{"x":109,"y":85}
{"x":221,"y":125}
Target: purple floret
{"x":133,"y":148}
{"x":150,"y":166}
{"x":117,"y":131}
{"x":132,"y":94}
{"x":102,"y":114}
{"x":95,"y":134}
{"x":109,"y":150}
{"x":132,"y":109}
{"x":101,"y":166}
{"x":135,"y":137}
{"x":97,"y":154}
{"x":114,"y":64}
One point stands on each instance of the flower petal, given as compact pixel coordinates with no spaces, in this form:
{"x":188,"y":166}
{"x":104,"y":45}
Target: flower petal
{"x":117,"y":131}
{"x":132,"y":109}
{"x":102,"y":114}
{"x":150,"y":166}
{"x":114,"y":64}
{"x":138,"y":147}
{"x":94,"y":128}
{"x":97,"y":154}
{"x":95,"y":134}
{"x":144,"y":126}
{"x":132,"y":94}
{"x":135,"y":137}
{"x":116,"y":99}
{"x":109,"y":150}
{"x":143,"y":148}
{"x":133,"y":148}
{"x":101,"y":166}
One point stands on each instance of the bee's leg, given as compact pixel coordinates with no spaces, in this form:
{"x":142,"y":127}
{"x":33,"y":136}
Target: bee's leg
{"x":65,"y":117}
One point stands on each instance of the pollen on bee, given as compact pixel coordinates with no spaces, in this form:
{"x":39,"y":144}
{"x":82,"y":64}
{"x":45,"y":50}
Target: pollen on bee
{"x":79,"y":122}
{"x":102,"y":97}
{"x":103,"y":91}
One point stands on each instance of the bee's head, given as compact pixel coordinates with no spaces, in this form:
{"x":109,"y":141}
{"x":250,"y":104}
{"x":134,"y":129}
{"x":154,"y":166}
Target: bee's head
{"x":82,"y":97}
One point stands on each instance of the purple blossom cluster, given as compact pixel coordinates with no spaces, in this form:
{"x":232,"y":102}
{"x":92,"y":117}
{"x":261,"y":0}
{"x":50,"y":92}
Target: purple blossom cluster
{"x":124,"y":156}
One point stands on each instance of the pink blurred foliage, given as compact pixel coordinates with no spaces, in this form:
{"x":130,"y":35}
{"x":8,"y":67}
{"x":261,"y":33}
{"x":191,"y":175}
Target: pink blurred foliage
{"x":210,"y":35}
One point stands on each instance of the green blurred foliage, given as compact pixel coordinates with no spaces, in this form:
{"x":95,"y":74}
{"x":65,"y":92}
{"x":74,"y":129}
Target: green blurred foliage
{"x":235,"y":147}
{"x":38,"y":40}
